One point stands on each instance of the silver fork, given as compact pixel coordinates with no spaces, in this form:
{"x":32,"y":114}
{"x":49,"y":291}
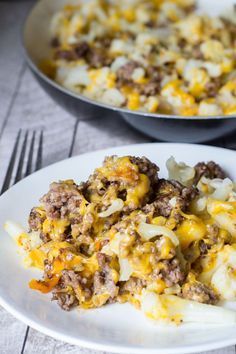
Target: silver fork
{"x":22,"y":164}
{"x":26,"y":157}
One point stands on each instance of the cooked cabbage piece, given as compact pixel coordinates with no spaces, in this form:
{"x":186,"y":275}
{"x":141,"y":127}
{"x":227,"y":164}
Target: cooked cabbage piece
{"x":171,"y":308}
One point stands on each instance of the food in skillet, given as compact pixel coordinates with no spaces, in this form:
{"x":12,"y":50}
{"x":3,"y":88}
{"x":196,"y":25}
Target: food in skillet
{"x":167,"y":246}
{"x":146,"y":55}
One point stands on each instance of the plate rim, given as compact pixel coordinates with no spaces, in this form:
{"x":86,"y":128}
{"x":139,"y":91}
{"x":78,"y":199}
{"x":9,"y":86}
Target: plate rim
{"x":118,"y":349}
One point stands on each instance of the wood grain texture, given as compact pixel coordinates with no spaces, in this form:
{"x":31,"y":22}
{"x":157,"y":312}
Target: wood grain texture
{"x":11,"y":60}
{"x":34,"y":110}
{"x":12,"y":333}
{"x":23,"y":104}
{"x":12,"y":68}
{"x":49,"y":345}
{"x":105,"y":132}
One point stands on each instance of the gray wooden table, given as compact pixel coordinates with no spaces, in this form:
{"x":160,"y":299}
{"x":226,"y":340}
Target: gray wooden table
{"x":23,"y":104}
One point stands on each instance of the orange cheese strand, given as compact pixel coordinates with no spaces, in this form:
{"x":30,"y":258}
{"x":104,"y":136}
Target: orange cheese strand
{"x":44,"y":286}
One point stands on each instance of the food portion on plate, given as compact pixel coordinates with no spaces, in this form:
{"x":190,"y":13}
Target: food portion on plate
{"x":167,"y":246}
{"x":150,"y":56}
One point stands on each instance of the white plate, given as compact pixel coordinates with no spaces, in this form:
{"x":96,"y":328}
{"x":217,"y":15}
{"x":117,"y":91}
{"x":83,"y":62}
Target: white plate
{"x":115,"y":328}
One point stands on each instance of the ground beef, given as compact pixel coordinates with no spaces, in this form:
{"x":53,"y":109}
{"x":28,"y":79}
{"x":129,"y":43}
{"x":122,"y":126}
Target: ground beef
{"x":151,"y":88}
{"x":182,"y":43}
{"x":212,"y":232}
{"x":104,"y":42}
{"x":64,"y":299}
{"x":61,"y":200}
{"x":170,"y":272}
{"x":154,"y":85}
{"x":87,"y":223}
{"x":231,"y":27}
{"x":190,"y":8}
{"x":97,"y":58}
{"x":167,"y":190}
{"x":155,"y":73}
{"x":48,"y":268}
{"x":133,"y":286}
{"x":124,"y":74}
{"x":81,"y":49}
{"x":203,"y":247}
{"x":103,"y":282}
{"x":55,"y":43}
{"x":168,"y":68}
{"x":35,"y":220}
{"x":70,"y":278}
{"x":67,"y":299}
{"x":209,"y":170}
{"x":212,"y":238}
{"x":151,"y":24}
{"x":146,"y":167}
{"x":196,"y":52}
{"x":68,"y":55}
{"x":44,"y":237}
{"x":103,"y":259}
{"x":199,"y":292}
{"x":212,"y":87}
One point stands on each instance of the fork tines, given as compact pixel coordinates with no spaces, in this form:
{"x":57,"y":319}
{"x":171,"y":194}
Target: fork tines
{"x":26,"y":157}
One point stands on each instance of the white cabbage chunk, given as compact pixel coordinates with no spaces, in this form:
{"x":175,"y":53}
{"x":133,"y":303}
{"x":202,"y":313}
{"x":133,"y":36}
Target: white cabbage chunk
{"x":219,"y":271}
{"x":200,"y":204}
{"x":232,"y":197}
{"x":223,"y":273}
{"x":173,"y":290}
{"x":171,"y":308}
{"x":224,"y":214}
{"x":74,"y":76}
{"x":113,"y":96}
{"x":224,"y":281}
{"x":113,"y":247}
{"x":115,"y":206}
{"x":220,"y":189}
{"x":26,"y":241}
{"x":14,"y":229}
{"x":148,"y":231}
{"x":125,"y":269}
{"x":118,"y":63}
{"x":223,"y":188}
{"x":180,"y":171}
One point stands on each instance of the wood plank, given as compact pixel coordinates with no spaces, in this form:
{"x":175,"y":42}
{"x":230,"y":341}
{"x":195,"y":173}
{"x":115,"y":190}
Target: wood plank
{"x":12,"y":68}
{"x":11,"y":333}
{"x":11,"y":61}
{"x":104,"y":132}
{"x":34,"y":110}
{"x":49,"y":345}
